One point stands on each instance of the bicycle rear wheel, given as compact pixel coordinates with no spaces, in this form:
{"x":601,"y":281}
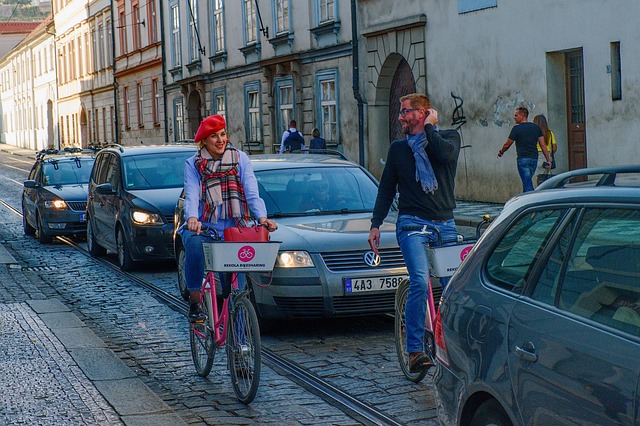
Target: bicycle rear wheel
{"x":202,"y":339}
{"x":401,"y":334}
{"x":243,"y":350}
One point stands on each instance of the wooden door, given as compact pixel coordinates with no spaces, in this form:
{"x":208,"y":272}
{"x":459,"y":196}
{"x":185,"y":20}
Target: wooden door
{"x":402,"y":84}
{"x":577,"y":142}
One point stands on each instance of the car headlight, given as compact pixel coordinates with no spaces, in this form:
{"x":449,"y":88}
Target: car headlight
{"x":294,"y":259}
{"x":145,"y":218}
{"x":55,"y":204}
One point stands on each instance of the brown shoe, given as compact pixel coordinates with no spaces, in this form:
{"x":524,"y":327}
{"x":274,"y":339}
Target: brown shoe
{"x":419,"y":361}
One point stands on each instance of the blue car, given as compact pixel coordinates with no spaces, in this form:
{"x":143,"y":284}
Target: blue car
{"x":541,"y":323}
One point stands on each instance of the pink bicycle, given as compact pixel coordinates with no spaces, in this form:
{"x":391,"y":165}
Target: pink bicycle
{"x":223,"y":262}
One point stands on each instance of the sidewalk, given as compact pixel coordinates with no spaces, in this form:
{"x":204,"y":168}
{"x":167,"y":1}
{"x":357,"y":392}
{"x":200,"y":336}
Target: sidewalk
{"x":57,"y":371}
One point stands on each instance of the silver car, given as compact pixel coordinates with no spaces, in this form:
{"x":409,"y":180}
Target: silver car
{"x":325,"y":268}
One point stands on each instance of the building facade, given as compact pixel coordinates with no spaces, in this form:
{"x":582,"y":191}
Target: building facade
{"x":497,"y":55}
{"x":28,"y":96}
{"x":138,"y":73}
{"x":86,"y":98}
{"x":260,"y":64}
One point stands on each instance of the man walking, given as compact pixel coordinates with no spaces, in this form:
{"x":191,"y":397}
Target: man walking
{"x":527,"y":137}
{"x":423,"y":168}
{"x":292,"y":139}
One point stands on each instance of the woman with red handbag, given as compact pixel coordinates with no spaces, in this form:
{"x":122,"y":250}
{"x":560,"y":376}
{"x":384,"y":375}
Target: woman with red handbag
{"x":221,"y":192}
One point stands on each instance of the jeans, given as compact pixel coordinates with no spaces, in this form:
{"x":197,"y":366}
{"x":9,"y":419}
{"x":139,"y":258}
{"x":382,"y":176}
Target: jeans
{"x":194,"y":261}
{"x":527,"y":169}
{"x":415,"y":257}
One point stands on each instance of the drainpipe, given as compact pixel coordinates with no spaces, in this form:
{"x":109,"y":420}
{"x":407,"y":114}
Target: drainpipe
{"x":116,"y":126}
{"x":164,"y":74}
{"x":356,"y":81}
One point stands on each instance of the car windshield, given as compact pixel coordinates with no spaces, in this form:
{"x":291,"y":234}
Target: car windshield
{"x":72,"y":171}
{"x":313,"y":191}
{"x":155,"y":171}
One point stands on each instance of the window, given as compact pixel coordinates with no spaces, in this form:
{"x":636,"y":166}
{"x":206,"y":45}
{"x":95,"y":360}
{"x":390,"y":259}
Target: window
{"x":178,"y":119}
{"x":281,"y":16}
{"x":250,"y":23}
{"x":510,"y":263}
{"x":155,"y":87}
{"x":326,"y":11}
{"x":127,"y":109}
{"x":219,"y":103}
{"x":601,"y":281}
{"x":472,"y":5}
{"x":109,"y":49}
{"x":140,"y":92}
{"x":284,"y":104}
{"x":616,"y":74}
{"x":151,"y":21}
{"x":218,"y":25}
{"x":136,"y":24}
{"x":194,"y":45}
{"x":253,"y":122}
{"x":122,"y":26}
{"x":175,"y":36}
{"x":328,"y":106}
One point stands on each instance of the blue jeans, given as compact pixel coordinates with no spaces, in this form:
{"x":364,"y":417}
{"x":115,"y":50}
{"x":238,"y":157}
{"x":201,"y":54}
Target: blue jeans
{"x":527,"y":169}
{"x":194,"y":261}
{"x":415,"y":257}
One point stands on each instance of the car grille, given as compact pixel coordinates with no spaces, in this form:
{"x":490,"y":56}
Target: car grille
{"x":171,"y":250}
{"x":364,"y":304}
{"x":353,"y":260}
{"x":78,"y":206}
{"x":168,"y":218}
{"x":303,"y":307}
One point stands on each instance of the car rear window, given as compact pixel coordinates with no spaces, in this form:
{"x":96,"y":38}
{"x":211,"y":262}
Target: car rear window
{"x":599,"y":268}
{"x":510,"y":263}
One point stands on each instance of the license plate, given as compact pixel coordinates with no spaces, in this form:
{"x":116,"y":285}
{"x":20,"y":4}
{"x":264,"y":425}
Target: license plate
{"x":83,"y":217}
{"x":372,"y":284}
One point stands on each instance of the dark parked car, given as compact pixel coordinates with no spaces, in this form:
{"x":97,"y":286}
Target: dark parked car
{"x":541,"y":323}
{"x":132,"y":197}
{"x":325,"y":268}
{"x":54,"y":198}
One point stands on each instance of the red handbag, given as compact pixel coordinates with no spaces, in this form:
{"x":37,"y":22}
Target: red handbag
{"x":249,"y":234}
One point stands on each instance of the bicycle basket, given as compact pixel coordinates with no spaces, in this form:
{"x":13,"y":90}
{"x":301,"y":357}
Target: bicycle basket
{"x":223,"y":256}
{"x":444,"y":260}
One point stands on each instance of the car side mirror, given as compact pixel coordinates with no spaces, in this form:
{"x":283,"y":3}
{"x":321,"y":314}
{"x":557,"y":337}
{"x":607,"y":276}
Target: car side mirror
{"x":105,"y":189}
{"x":30,"y":184}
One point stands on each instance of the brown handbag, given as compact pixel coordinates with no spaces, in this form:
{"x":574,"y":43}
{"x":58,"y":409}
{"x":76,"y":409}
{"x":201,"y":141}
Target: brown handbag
{"x":249,"y":234}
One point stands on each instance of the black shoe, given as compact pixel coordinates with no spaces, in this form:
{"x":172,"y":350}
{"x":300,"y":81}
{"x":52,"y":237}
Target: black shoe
{"x":195,"y":313}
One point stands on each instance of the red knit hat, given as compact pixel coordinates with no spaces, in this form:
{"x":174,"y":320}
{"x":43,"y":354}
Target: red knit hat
{"x":209,"y":126}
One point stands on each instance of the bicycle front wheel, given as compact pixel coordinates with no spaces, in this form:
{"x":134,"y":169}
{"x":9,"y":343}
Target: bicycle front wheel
{"x":243,"y":350}
{"x":401,"y":334}
{"x":202,"y":339}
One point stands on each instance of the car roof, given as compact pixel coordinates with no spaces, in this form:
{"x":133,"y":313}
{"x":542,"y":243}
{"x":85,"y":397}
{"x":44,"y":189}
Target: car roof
{"x":295,"y":161}
{"x":126,"y":151}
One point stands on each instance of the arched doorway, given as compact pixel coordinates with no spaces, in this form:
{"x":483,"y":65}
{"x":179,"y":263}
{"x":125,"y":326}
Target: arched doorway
{"x":194,"y":116}
{"x":402,"y":84}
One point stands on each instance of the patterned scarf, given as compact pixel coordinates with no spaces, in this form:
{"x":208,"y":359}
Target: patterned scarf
{"x":424,"y":171}
{"x":221,"y":185}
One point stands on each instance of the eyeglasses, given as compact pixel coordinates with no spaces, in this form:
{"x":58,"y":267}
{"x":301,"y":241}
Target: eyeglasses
{"x":405,"y":111}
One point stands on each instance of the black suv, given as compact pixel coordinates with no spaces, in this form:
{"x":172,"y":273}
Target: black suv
{"x":54,"y":198}
{"x":132,"y":196}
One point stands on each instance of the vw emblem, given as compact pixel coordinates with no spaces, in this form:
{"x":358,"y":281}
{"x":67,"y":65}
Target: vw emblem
{"x":371,"y":259}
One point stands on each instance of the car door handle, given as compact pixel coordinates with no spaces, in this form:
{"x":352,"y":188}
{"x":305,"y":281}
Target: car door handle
{"x":527,"y":352}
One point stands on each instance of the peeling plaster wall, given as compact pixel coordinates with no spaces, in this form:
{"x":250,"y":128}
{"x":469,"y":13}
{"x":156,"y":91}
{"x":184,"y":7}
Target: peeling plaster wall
{"x":500,"y":58}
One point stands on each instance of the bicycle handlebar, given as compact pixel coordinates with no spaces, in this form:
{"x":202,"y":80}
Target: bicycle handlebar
{"x":459,"y":238}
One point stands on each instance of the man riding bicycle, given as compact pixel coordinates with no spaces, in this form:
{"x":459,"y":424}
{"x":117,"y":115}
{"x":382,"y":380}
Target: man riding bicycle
{"x":220,"y":191}
{"x":423,"y":168}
